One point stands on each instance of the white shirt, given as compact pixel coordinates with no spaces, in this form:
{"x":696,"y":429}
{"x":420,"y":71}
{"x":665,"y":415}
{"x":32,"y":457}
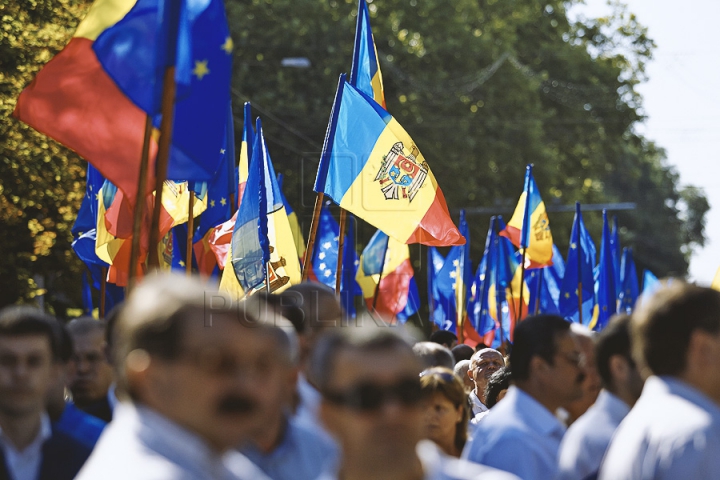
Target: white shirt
{"x":672,"y":432}
{"x":438,"y":466}
{"x":141,"y":444}
{"x":25,"y":464}
{"x":584,"y":445}
{"x":476,"y":405}
{"x":520,"y":436}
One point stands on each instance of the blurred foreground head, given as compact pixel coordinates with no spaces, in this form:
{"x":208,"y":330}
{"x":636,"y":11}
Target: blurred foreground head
{"x":676,"y":332}
{"x":201,"y":364}
{"x":372,"y":399}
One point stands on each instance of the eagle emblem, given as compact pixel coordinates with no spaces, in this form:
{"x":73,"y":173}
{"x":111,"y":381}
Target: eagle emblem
{"x":400,"y":174}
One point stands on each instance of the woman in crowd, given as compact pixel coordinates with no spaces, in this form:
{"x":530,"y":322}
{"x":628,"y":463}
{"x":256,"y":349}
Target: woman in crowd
{"x":446,"y":417}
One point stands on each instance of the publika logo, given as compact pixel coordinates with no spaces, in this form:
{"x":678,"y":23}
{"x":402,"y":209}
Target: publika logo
{"x":400,"y":175}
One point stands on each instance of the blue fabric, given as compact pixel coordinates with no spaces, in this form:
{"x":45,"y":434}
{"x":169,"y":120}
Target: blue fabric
{"x":544,"y":285}
{"x":188,"y":34}
{"x":630,"y":288}
{"x":579,"y":267}
{"x":79,"y":425}
{"x":413,"y":303}
{"x":365,"y":63}
{"x":606,"y":300}
{"x":303,"y":453}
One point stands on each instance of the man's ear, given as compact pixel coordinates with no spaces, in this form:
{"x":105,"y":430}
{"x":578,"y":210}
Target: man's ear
{"x":619,"y":368}
{"x":538,"y":367}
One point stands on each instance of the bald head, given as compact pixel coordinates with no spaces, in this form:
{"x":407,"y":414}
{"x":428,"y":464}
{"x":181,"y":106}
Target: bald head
{"x":483,"y":364}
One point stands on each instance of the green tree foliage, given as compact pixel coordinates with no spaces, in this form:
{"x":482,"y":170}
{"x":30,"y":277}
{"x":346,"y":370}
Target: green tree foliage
{"x":41,"y":182}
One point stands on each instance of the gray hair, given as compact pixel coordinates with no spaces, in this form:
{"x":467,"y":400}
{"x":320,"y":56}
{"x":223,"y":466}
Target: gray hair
{"x":461,"y":368}
{"x":434,"y":355}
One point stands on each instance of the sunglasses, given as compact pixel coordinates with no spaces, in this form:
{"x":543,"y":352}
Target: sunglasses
{"x":368,"y":397}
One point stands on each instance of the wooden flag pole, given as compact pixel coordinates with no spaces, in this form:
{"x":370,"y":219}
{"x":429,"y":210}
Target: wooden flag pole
{"x":382,"y":269}
{"x":163,"y":156}
{"x":140,"y":202}
{"x":313,"y":232}
{"x":103,"y":291}
{"x":522,"y":286}
{"x":190,"y":231}
{"x":341,"y":245}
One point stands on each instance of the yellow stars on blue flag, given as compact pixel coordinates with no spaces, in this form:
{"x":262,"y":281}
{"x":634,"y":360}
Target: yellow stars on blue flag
{"x":227,"y":46}
{"x":223,"y":202}
{"x":201,"y":69}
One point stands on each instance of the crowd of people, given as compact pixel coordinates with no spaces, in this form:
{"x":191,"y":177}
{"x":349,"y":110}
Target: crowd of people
{"x":180,"y":383}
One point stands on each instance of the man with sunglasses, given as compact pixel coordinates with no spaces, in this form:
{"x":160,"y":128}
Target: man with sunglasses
{"x":188,"y":376}
{"x":521,"y":434}
{"x":373,"y":405}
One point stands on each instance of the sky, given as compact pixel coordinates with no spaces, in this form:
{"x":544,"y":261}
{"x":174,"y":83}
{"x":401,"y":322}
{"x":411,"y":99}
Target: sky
{"x":682,"y":101}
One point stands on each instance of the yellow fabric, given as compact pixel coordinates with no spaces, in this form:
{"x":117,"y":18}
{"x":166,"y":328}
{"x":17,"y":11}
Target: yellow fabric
{"x":106,"y":245}
{"x":715,"y":285}
{"x":102,"y":15}
{"x":397,"y":218}
{"x":397,"y":253}
{"x":297,"y":234}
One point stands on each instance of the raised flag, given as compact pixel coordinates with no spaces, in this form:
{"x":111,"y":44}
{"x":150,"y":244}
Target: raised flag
{"x":616,"y":254}
{"x":544,"y":285}
{"x":325,"y":257}
{"x":578,"y":283}
{"x":387,"y":258}
{"x":606,"y":301}
{"x":294,"y":222}
{"x":372,"y":168}
{"x":630,"y":288}
{"x":262,"y":247}
{"x":651,"y":283}
{"x":365,"y":73}
{"x":529,"y":227}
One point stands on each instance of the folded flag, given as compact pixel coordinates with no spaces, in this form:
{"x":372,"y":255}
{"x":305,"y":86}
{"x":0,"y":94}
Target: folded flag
{"x":365,"y":73}
{"x":606,"y":301}
{"x":529,"y":227}
{"x":630,"y":288}
{"x":262,"y":247}
{"x":578,"y":273}
{"x":294,"y":222}
{"x":386,"y":260}
{"x":372,"y":168}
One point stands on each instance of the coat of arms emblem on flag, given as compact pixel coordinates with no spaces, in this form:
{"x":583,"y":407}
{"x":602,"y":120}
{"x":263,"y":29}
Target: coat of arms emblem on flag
{"x":400,"y":175}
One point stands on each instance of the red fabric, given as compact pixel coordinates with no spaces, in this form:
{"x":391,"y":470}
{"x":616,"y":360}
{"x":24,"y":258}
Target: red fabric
{"x":436,"y":227}
{"x":393,"y":291}
{"x":220,"y":239}
{"x":73,"y":101}
{"x":470,"y":336}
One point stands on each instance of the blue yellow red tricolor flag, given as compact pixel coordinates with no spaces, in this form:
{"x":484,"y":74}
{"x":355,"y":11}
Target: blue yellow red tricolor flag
{"x":372,"y":168}
{"x":397,"y":293}
{"x":606,"y":300}
{"x":578,"y":272}
{"x":529,"y":227}
{"x":262,"y":247}
{"x":294,"y":222}
{"x":365,"y":73}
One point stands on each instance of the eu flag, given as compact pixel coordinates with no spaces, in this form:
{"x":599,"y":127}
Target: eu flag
{"x":578,"y":280}
{"x":630,"y":288}
{"x":606,"y":303}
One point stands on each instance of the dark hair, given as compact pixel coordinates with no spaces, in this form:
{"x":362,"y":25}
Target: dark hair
{"x":497,"y":382}
{"x":613,"y":340}
{"x":443,"y":337}
{"x":434,"y":355}
{"x":441,"y":380}
{"x":535,"y":336}
{"x":462,"y":352}
{"x":663,"y":325}
{"x":310,"y":306}
{"x":24,"y":320}
{"x":67,"y":347}
{"x":369,"y":338}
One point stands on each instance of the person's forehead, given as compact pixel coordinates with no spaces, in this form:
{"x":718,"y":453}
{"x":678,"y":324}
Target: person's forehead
{"x":24,"y":344}
{"x":227,"y":332}
{"x":566,"y":341}
{"x":488,"y":355}
{"x":354,"y":366}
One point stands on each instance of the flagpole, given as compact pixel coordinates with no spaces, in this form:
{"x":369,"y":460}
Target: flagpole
{"x":459,"y":303}
{"x":522,"y":285}
{"x":341,"y":245}
{"x":498,"y":294}
{"x":382,"y":269}
{"x":140,"y":201}
{"x":539,"y":289}
{"x":267,"y":278}
{"x":190,"y":231}
{"x":313,"y":232}
{"x":103,"y":291}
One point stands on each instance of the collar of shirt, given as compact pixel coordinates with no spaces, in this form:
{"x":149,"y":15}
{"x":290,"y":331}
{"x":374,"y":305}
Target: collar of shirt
{"x":112,"y":398}
{"x":476,"y":404}
{"x":26,"y":463}
{"x":533,"y":413}
{"x":172,"y":441}
{"x":665,"y":384}
{"x":612,"y":404}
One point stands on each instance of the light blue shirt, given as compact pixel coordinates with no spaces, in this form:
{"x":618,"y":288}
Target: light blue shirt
{"x":584,"y":445}
{"x":672,"y":432}
{"x":304,"y":453}
{"x":141,"y":444}
{"x":520,"y":436}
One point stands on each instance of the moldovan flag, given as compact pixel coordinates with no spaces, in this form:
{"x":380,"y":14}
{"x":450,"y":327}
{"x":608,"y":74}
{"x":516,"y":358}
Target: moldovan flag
{"x":372,"y":168}
{"x":365,"y":74}
{"x":529,"y":227}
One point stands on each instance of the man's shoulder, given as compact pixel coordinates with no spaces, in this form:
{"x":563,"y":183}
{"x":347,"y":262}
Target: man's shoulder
{"x":62,"y":456}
